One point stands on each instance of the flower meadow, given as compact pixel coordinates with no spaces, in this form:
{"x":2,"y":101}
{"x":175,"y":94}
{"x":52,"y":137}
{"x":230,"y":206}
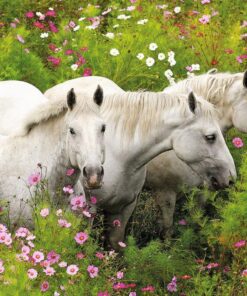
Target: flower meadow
{"x":139,"y":45}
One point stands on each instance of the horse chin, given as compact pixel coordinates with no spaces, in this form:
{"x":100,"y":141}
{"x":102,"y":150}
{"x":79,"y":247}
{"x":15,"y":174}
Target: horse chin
{"x":92,"y":186}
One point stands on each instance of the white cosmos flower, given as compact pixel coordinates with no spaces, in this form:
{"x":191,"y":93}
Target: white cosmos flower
{"x":171,"y":61}
{"x":140,"y":56}
{"x":74,"y":67}
{"x":195,"y":67}
{"x":110,"y":35}
{"x":116,"y":26}
{"x":114,"y":52}
{"x":168,"y":73}
{"x":142,"y":22}
{"x":44,"y":35}
{"x":161,"y":56}
{"x":150,"y":61}
{"x":189,"y":74}
{"x":123,"y":17}
{"x":171,"y":53}
{"x":76,"y":28}
{"x":153,"y":46}
{"x":171,"y":80}
{"x":177,"y":9}
{"x":81,"y":19}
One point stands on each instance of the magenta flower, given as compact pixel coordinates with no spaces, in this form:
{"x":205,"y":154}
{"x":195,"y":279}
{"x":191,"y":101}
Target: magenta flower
{"x":100,"y":255}
{"x":81,"y":238}
{"x":244,"y":273}
{"x":87,"y":72}
{"x":93,"y":200}
{"x":204,"y":19}
{"x":55,"y":61}
{"x":70,"y":172}
{"x":34,"y":179}
{"x":212,"y":265}
{"x":80,"y":256}
{"x":29,"y":14}
{"x":20,"y":38}
{"x":240,"y":244}
{"x":51,"y":13}
{"x":78,"y":202}
{"x":49,"y":271}
{"x":103,"y":293}
{"x":44,"y":212}
{"x":92,"y":271}
{"x":38,"y":256}
{"x":238,"y":142}
{"x":182,"y":222}
{"x":72,"y":269}
{"x":53,"y":28}
{"x":39,"y":25}
{"x":44,"y":286}
{"x":120,"y":275}
{"x":116,"y":223}
{"x":132,"y":294}
{"x":53,"y":257}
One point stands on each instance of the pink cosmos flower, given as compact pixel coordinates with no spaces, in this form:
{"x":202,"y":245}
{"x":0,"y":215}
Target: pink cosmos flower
{"x":3,"y":228}
{"x":132,"y":294}
{"x":38,"y":256}
{"x":122,"y":244}
{"x":29,"y":14}
{"x":8,"y":240}
{"x":69,"y":52}
{"x":5,"y":238}
{"x":172,"y":286}
{"x":71,"y":171}
{"x":77,"y":202}
{"x":22,"y":232}
{"x":244,"y":24}
{"x":81,"y":238}
{"x":62,"y":264}
{"x":49,"y":271}
{"x":92,"y":271}
{"x":32,"y":273}
{"x":116,"y":223}
{"x":72,"y":269}
{"x":100,"y":255}
{"x":31,"y":244}
{"x":133,"y":1}
{"x":44,"y":212}
{"x":53,"y":257}
{"x":44,"y":286}
{"x":39,"y":25}
{"x":120,"y":275}
{"x":87,"y":72}
{"x":13,"y":25}
{"x":87,"y":214}
{"x":238,"y":142}
{"x":212,"y":265}
{"x":52,"y":47}
{"x":103,"y":293}
{"x":93,"y":200}
{"x":240,"y":244}
{"x":2,"y":269}
{"x":25,"y":250}
{"x":244,"y":273}
{"x":148,"y":289}
{"x":20,"y":38}
{"x":68,"y":189}
{"x":205,"y":1}
{"x":45,"y":263}
{"x":182,"y":222}
{"x":64,"y":223}
{"x":80,"y":256}
{"x":204,"y":19}
{"x":34,"y":179}
{"x":72,"y":24}
{"x":51,"y":13}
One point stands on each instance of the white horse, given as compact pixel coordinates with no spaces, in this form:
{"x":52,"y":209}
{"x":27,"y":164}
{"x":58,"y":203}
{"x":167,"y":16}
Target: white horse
{"x":59,"y":134}
{"x":141,"y":125}
{"x":167,"y":174}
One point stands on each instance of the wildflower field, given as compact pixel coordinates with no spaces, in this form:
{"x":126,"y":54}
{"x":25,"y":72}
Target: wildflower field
{"x":139,"y":45}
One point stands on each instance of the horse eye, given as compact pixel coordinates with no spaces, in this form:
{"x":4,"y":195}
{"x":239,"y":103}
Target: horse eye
{"x":210,"y":138}
{"x":103,"y":128}
{"x":71,"y":130}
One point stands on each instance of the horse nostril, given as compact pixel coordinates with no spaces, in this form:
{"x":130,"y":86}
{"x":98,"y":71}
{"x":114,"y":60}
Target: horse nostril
{"x":102,"y":171}
{"x":84,"y":172}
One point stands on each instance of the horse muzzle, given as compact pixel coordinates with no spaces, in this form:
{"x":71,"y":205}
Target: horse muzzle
{"x":93,"y":177}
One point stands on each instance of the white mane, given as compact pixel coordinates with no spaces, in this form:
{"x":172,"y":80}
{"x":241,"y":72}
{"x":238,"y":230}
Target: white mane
{"x":145,"y":110}
{"x":54,"y":108}
{"x":212,"y":87}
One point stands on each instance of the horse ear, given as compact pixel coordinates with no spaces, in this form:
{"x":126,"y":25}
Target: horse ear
{"x":212,"y":71}
{"x":98,"y":96}
{"x":245,"y":79}
{"x":192,"y":102}
{"x":71,"y":99}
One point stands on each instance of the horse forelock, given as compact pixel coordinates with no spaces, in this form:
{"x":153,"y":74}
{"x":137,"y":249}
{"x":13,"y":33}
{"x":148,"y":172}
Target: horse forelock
{"x":144,"y":111}
{"x":52,"y":109}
